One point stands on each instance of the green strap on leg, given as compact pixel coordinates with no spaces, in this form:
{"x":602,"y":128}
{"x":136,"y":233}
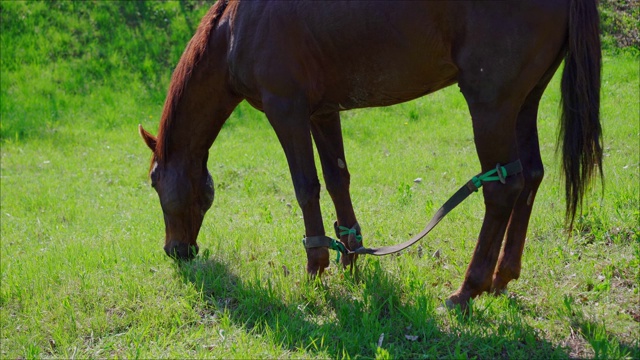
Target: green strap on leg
{"x":339,"y":248}
{"x":497,"y":174}
{"x":324,"y":241}
{"x":346,"y":231}
{"x":333,"y":244}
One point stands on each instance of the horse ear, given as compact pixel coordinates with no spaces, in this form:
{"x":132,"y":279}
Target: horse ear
{"x":149,"y":139}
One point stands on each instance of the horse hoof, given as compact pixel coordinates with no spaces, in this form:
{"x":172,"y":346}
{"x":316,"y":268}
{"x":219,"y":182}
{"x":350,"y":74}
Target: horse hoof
{"x":444,"y":308}
{"x":451,"y":305}
{"x":500,"y":292}
{"x":348,"y":261}
{"x":313,"y":274}
{"x":317,"y":261}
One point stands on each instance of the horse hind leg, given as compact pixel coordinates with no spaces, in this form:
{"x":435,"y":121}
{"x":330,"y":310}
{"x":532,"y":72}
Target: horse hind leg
{"x":328,"y":138}
{"x":510,"y":261}
{"x":495,"y":139}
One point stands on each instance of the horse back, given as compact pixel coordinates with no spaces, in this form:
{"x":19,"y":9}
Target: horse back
{"x":343,"y":55}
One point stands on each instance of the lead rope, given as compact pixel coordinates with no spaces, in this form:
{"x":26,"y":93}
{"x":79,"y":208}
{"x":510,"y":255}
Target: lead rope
{"x":500,"y":173}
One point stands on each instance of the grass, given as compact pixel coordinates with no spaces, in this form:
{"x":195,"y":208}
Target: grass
{"x":83,"y":273}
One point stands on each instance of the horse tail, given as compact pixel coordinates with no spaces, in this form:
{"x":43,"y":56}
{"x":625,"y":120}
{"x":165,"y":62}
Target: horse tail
{"x":580,"y":130}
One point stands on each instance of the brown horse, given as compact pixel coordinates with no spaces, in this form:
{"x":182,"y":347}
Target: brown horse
{"x":301,"y":63}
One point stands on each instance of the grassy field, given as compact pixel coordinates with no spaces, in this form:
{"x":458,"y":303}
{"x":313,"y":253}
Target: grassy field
{"x":83,"y":273}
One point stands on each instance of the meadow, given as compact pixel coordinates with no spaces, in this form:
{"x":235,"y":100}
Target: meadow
{"x":82,"y":269}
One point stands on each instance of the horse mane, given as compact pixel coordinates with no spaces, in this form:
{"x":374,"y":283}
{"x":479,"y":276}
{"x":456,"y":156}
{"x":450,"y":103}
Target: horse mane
{"x":192,"y":55}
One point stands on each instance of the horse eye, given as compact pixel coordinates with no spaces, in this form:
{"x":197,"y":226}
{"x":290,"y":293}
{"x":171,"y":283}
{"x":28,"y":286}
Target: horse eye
{"x":208,"y":192}
{"x":154,"y":180}
{"x":152,"y":174}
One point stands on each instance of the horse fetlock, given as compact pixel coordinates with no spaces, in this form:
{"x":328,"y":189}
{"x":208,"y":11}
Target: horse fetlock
{"x":351,"y":237}
{"x":354,"y":242}
{"x":474,"y":284}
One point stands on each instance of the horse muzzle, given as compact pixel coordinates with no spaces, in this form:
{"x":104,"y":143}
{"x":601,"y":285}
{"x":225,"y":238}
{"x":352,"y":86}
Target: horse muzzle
{"x":181,"y":251}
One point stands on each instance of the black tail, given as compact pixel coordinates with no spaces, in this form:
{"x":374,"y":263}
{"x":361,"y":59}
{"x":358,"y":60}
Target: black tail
{"x":580,"y":131}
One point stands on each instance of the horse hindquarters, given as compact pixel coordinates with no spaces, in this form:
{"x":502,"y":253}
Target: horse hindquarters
{"x":581,"y":133}
{"x":502,"y":82}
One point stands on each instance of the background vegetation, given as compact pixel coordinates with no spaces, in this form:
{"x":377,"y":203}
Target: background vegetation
{"x":620,"y":20}
{"x":83,"y":274}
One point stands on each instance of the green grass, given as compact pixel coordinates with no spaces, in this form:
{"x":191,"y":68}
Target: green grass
{"x":83,"y":273}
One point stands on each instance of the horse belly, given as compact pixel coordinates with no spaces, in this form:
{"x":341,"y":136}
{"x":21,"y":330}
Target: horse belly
{"x":390,"y":53}
{"x":390,"y":86}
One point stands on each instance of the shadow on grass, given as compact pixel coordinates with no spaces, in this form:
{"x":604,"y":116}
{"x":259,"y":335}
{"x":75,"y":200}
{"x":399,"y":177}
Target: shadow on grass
{"x":605,"y":345}
{"x":343,"y":322}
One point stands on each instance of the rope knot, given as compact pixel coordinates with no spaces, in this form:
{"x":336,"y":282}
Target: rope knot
{"x":354,"y":239}
{"x":500,"y":173}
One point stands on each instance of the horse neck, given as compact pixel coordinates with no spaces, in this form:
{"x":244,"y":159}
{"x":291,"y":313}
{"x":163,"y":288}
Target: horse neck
{"x":199,"y":99}
{"x":197,"y":125}
{"x":199,"y":102}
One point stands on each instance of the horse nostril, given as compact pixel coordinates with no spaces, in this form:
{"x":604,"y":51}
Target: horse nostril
{"x":181,"y":251}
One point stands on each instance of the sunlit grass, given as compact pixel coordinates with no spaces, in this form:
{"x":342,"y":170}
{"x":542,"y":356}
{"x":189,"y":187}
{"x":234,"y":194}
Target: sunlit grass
{"x":84,"y":274}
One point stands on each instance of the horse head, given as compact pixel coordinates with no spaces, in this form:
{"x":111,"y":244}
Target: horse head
{"x":186,"y":192}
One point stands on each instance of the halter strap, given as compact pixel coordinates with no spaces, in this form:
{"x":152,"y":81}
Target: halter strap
{"x":310,"y":242}
{"x":470,"y":187}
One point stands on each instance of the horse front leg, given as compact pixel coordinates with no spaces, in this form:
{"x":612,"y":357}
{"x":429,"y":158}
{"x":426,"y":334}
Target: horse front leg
{"x":327,"y":134}
{"x":291,"y":121}
{"x":494,"y":136}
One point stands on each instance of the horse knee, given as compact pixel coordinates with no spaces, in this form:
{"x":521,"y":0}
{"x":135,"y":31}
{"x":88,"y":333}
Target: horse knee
{"x":306,"y":192}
